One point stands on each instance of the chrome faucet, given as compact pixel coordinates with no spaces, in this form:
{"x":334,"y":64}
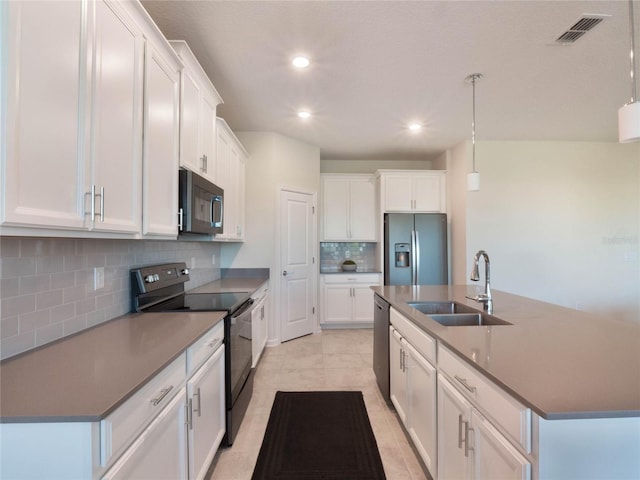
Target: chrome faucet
{"x":484,"y":298}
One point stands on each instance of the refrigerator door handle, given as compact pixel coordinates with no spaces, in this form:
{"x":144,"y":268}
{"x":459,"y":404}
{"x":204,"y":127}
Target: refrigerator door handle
{"x":413,"y":257}
{"x":417,"y":260}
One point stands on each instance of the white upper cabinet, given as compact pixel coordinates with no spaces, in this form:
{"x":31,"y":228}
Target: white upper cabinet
{"x":79,"y":93}
{"x":413,"y":190}
{"x":116,"y":122}
{"x":161,"y":143}
{"x":349,"y":208}
{"x":230,"y":163}
{"x":198,"y":102}
{"x":44,"y":106}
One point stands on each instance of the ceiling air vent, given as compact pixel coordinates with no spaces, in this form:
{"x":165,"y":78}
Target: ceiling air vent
{"x":579,"y":28}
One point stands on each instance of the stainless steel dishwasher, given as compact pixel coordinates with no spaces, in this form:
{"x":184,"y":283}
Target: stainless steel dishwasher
{"x":381,"y":345}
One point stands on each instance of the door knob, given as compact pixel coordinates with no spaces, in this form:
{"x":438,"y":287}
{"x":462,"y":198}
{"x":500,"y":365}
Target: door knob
{"x":284,"y":273}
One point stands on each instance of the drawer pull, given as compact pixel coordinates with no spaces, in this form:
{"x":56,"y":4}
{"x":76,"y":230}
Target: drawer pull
{"x":464,"y":383}
{"x":213,"y":343}
{"x":163,"y":393}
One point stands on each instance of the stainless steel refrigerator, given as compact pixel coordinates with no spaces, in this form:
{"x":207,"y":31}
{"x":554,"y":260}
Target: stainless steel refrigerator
{"x":415,"y":249}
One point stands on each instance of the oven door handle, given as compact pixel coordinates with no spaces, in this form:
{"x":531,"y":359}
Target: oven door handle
{"x":247,"y":305}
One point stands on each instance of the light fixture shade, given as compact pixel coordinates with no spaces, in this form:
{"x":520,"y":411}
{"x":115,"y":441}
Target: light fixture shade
{"x":629,"y":123}
{"x":473,"y":181}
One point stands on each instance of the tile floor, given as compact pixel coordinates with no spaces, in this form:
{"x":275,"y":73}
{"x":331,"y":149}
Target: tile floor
{"x":330,"y":360}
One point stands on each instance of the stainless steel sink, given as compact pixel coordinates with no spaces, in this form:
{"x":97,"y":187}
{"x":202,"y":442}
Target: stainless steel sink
{"x":452,"y":314}
{"x":467,"y":319}
{"x":429,"y":308}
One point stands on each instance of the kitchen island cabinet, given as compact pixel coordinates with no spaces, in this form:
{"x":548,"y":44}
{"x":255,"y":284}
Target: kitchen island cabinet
{"x":531,"y":399}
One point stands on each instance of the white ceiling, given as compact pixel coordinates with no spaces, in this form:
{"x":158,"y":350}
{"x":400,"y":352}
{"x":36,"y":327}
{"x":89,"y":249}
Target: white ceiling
{"x":376,"y":65}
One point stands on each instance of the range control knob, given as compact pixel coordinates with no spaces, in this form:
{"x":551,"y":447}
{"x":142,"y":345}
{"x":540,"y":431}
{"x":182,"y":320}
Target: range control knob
{"x":185,"y":271}
{"x":149,"y":279}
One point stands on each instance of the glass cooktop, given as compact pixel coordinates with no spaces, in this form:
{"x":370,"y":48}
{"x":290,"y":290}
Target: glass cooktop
{"x":202,"y":302}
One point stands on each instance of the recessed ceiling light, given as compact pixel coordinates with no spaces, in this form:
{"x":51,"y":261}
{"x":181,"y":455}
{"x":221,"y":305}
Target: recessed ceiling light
{"x":415,"y":127}
{"x":304,"y":114}
{"x":300,"y":62}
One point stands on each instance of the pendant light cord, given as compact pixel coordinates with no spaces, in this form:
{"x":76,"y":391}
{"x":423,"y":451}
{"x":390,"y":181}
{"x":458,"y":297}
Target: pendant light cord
{"x":472,"y":80}
{"x":634,"y":95}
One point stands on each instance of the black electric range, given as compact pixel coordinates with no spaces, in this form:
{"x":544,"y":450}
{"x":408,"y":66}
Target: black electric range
{"x":161,"y":288}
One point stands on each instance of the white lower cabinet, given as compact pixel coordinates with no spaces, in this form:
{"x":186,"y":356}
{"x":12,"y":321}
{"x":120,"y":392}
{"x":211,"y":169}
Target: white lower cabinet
{"x":347,"y":299}
{"x":469,"y":447}
{"x":169,"y":429}
{"x":205,"y":414}
{"x":413,"y":390}
{"x":160,"y":451}
{"x":259,"y":326}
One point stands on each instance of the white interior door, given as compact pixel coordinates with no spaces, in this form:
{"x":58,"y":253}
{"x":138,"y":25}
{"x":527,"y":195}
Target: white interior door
{"x":297,"y":285}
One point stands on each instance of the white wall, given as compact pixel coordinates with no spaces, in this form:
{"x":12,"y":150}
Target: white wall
{"x":370,"y":166}
{"x":560,"y":221}
{"x":274,"y":161}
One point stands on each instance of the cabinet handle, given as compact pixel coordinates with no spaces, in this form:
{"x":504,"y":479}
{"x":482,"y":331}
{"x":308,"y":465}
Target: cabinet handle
{"x":197,"y":409}
{"x":163,"y":393}
{"x":203,"y":168}
{"x":464,"y":383}
{"x":101,"y":195}
{"x":466,"y":439}
{"x":189,"y":414}
{"x":401,"y":360}
{"x":213,"y":342}
{"x":93,"y":202}
{"x":180,"y":215}
{"x":460,"y":422}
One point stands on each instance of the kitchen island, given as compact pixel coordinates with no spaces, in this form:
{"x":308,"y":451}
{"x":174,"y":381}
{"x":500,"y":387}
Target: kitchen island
{"x":572,"y":379}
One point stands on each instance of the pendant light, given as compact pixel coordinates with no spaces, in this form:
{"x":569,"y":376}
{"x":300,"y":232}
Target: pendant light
{"x":629,"y":115}
{"x":473,"y":178}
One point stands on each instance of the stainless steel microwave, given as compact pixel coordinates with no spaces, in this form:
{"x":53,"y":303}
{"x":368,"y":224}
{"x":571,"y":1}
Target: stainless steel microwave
{"x":201,"y":205}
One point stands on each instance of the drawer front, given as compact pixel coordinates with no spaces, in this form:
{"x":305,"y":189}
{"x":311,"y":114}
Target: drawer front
{"x":123,"y":425}
{"x":510,"y":416}
{"x":421,"y":340}
{"x":363,"y":278}
{"x":204,"y":347}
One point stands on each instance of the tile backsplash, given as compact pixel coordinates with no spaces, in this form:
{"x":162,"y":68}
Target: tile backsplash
{"x":46,"y":284}
{"x":332,"y":254}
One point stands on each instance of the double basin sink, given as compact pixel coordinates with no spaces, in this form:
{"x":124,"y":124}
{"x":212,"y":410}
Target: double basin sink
{"x":452,"y":314}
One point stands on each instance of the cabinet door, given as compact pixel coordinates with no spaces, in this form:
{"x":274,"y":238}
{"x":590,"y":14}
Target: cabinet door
{"x":426,"y":193}
{"x":362,"y":216}
{"x":337,"y":303}
{"x":47,"y":97}
{"x":116,"y":131}
{"x":398,"y":193}
{"x":234,"y":201}
{"x":397,"y":374}
{"x":335,"y":209}
{"x":160,"y":450}
{"x":189,"y":123}
{"x":453,"y":411}
{"x":421,"y":401}
{"x":207,"y":129}
{"x":222,"y":169}
{"x":205,"y":392}
{"x":493,"y":456}
{"x":362,"y":304}
{"x":161,"y":145}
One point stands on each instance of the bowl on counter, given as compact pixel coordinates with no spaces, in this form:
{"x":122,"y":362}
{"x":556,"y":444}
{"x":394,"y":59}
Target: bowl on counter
{"x":348,"y":266}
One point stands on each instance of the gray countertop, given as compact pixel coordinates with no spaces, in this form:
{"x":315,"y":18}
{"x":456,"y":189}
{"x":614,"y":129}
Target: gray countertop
{"x":560,"y":362}
{"x":83,"y":378}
